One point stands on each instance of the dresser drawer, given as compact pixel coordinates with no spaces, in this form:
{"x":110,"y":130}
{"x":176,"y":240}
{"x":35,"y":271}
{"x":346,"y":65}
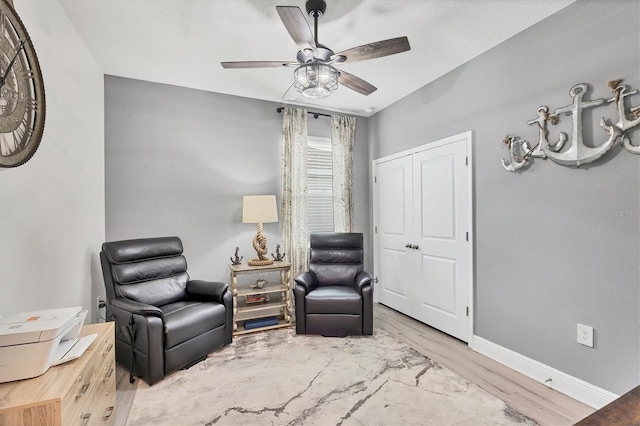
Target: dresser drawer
{"x":100,"y":407}
{"x":103,"y":402}
{"x":74,"y":400}
{"x":105,"y":348}
{"x":90,"y":396}
{"x":66,"y":394}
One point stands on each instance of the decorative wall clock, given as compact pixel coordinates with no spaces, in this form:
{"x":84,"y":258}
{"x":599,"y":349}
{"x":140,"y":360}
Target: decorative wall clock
{"x":22,"y":102}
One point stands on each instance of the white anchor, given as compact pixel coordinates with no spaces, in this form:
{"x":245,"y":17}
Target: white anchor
{"x":541,"y":121}
{"x":624,"y":124}
{"x":578,"y":153}
{"x":519,"y":152}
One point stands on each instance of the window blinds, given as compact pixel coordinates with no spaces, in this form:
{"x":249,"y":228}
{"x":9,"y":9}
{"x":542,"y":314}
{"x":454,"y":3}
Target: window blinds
{"x":319,"y":184}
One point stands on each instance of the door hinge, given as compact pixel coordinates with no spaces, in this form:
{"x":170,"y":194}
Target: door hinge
{"x":467,"y":311}
{"x":467,"y":235}
{"x":375,"y":229}
{"x":375,"y":179}
{"x":466,"y":161}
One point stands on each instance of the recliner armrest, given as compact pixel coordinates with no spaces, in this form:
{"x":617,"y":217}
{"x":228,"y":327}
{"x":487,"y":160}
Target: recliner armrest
{"x":137,"y":308}
{"x":206,"y":290}
{"x":307,"y":280}
{"x":127,"y":312}
{"x":363,"y":279}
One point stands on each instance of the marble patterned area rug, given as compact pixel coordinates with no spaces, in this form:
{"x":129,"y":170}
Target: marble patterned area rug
{"x":279,"y":378}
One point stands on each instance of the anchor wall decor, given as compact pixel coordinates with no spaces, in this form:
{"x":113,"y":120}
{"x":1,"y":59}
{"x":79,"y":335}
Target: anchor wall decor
{"x":576,"y":152}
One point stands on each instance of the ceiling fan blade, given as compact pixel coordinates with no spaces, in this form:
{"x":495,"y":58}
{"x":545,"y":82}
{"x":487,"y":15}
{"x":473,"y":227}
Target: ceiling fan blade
{"x":298,"y":28}
{"x":257,"y":64}
{"x":356,"y":83}
{"x":374,"y":50}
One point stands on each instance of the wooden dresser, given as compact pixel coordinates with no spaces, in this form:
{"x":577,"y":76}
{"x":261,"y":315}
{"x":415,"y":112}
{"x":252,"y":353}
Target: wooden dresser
{"x":78,"y":392}
{"x":623,"y":411}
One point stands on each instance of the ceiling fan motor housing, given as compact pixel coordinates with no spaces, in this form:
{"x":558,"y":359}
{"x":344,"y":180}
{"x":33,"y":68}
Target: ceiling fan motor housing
{"x":316,"y":8}
{"x":322,"y":53}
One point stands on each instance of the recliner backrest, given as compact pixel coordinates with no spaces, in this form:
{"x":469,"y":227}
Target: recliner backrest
{"x":149,"y":270}
{"x":336,"y":258}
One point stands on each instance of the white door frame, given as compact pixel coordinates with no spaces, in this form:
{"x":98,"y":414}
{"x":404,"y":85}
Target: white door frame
{"x":435,"y":144}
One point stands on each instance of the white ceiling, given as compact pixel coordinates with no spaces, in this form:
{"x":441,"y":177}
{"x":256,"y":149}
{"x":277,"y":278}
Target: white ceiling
{"x":182,"y":42}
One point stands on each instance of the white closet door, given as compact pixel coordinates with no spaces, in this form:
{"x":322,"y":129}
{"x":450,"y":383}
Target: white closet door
{"x":393,"y":205}
{"x":440,"y":224}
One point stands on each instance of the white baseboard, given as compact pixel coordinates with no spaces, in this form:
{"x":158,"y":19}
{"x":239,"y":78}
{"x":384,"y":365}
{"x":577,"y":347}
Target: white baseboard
{"x":577,"y":389}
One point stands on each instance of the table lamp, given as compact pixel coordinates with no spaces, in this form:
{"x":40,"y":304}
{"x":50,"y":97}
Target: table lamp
{"x":259,"y":209}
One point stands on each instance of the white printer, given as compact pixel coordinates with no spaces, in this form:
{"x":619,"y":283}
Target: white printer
{"x":31,"y":342}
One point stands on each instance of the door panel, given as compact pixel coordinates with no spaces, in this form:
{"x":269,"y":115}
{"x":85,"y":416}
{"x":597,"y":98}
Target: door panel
{"x":393,"y":285}
{"x":393,"y":218}
{"x":422,"y":215}
{"x":438,"y":201}
{"x":392,"y":205}
{"x":439,"y":284}
{"x":441,"y":224}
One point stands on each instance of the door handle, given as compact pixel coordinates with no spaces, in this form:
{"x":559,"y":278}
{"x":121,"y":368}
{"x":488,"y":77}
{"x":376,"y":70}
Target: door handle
{"x":415,"y":247}
{"x":408,"y":245}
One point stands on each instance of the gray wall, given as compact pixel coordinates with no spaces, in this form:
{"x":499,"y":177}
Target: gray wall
{"x":52,"y":207}
{"x":553,"y":245}
{"x":178,"y":162}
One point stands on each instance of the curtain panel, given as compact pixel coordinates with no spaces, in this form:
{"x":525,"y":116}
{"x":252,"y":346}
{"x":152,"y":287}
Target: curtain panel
{"x":343,"y":130}
{"x":295,"y":236}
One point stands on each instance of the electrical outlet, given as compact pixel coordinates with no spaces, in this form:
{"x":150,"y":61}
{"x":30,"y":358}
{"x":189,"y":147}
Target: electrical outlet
{"x":100,"y":305}
{"x":585,"y":335}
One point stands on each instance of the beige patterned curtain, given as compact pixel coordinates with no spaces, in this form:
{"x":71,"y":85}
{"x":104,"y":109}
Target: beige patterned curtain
{"x":294,"y":188}
{"x":343,"y":130}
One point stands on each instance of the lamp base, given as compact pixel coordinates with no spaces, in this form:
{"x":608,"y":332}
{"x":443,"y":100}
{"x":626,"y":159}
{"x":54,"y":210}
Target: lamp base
{"x":260,"y":245}
{"x":260,"y":262}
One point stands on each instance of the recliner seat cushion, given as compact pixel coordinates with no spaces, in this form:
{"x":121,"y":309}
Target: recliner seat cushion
{"x":151,"y":269}
{"x":334,"y":299}
{"x":336,"y":259}
{"x":155,"y":292}
{"x":147,"y":248}
{"x":336,"y":255}
{"x":331,"y":240}
{"x":186,"y":320}
{"x":335,"y":273}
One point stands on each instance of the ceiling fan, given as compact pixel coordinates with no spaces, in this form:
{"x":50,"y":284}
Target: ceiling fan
{"x":315,"y":76}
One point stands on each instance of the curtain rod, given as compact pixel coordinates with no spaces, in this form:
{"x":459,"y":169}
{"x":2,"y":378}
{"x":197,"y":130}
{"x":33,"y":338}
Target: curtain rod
{"x":315,"y":114}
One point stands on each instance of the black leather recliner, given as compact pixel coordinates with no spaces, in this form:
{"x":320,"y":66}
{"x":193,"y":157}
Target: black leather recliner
{"x":335,"y":297}
{"x":164,"y":320}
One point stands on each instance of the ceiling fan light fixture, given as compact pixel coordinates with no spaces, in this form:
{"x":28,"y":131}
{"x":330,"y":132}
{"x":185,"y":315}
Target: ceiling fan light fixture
{"x":316,"y":80}
{"x":316,"y":77}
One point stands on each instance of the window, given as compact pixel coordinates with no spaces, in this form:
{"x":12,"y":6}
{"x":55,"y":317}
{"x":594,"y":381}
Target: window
{"x":319,"y":185}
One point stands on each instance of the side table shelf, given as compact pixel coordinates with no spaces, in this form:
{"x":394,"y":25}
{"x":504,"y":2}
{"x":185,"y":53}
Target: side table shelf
{"x":277,"y":298}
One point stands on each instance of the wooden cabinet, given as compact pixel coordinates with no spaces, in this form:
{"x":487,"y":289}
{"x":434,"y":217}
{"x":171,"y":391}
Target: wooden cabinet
{"x":623,"y":411}
{"x":78,"y":392}
{"x":276,"y":295}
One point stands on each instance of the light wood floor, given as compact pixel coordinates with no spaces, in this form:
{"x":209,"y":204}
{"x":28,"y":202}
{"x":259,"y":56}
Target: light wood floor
{"x":125,"y":392}
{"x":535,"y":400}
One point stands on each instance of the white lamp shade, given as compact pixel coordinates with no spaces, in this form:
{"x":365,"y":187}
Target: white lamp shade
{"x":259,"y":209}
